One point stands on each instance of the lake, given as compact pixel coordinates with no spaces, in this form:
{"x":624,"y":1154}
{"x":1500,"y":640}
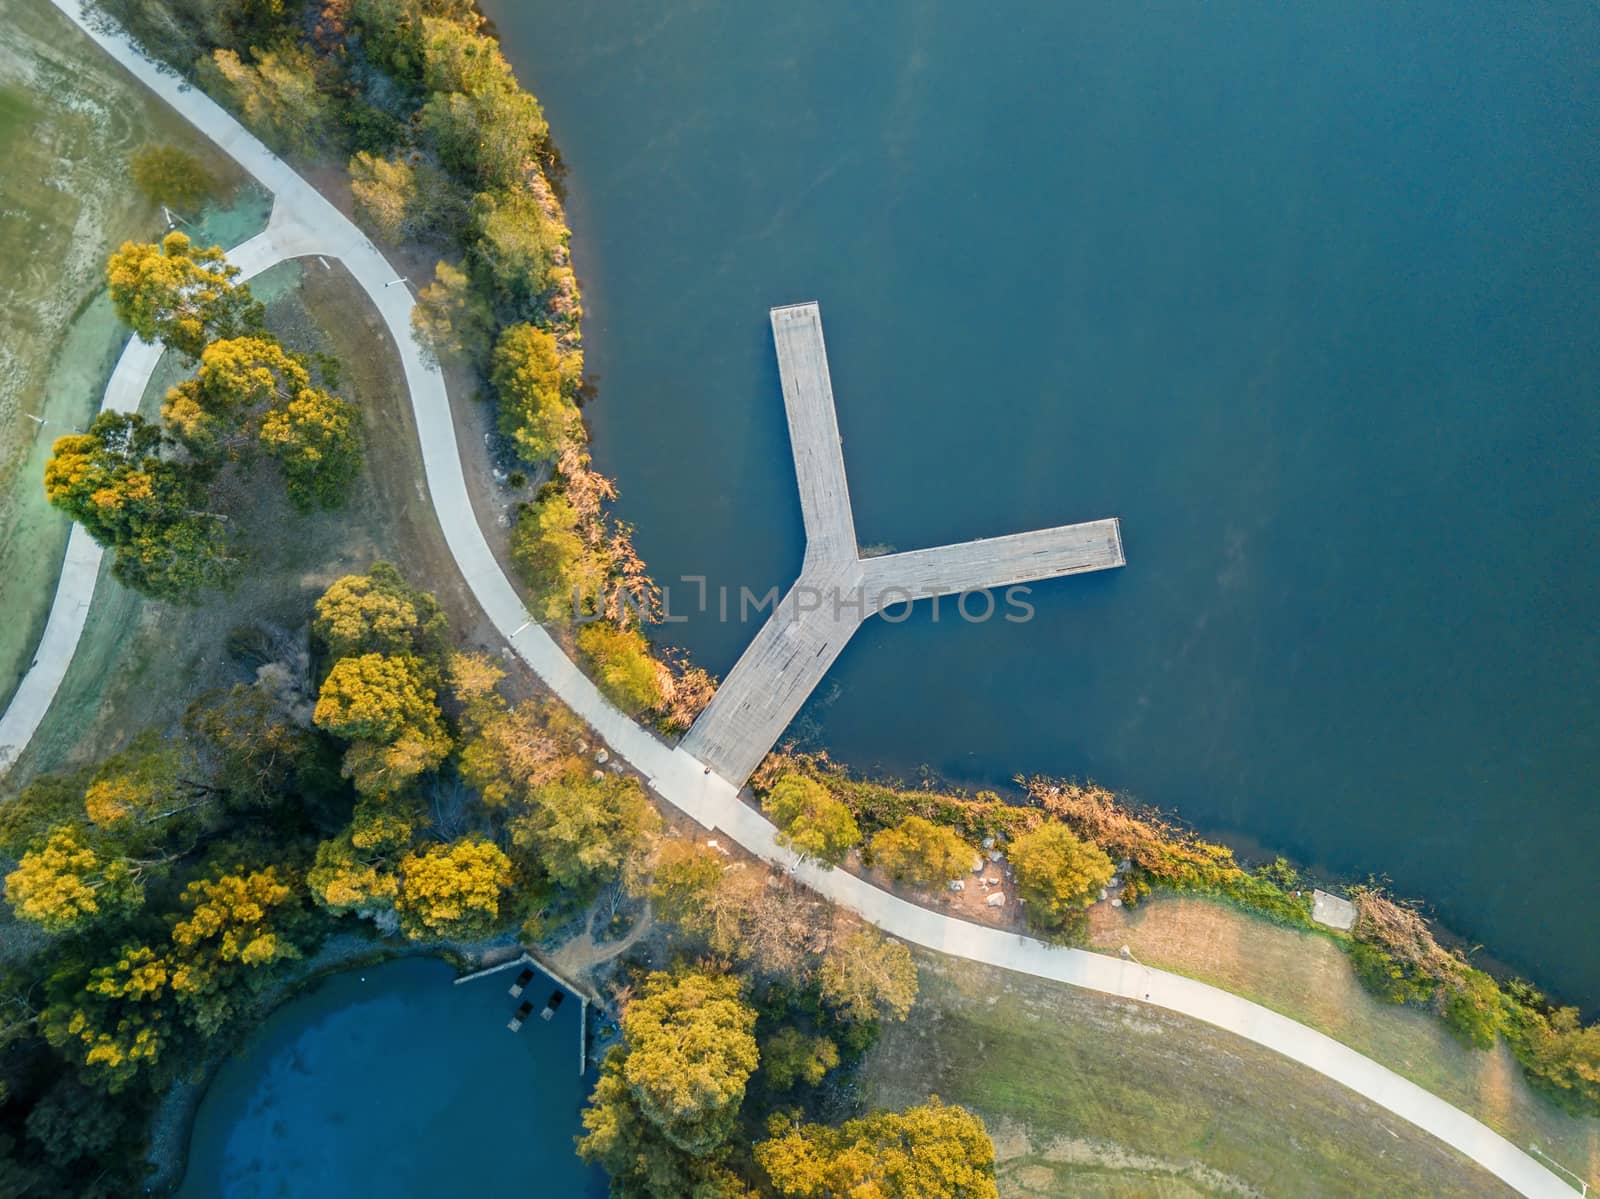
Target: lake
{"x":391,"y":1081}
{"x":1306,"y":294}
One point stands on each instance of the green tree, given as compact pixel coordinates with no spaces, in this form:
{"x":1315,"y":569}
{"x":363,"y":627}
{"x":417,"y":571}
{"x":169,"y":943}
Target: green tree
{"x":66,"y":886}
{"x":927,"y":1152}
{"x":179,"y":294}
{"x":922,"y":853}
{"x":404,"y":198}
{"x":691,"y":1050}
{"x":379,"y":612}
{"x":865,"y":976}
{"x":624,"y":670}
{"x":453,"y":890}
{"x":317,"y":441}
{"x":278,"y":95}
{"x":385,"y":707}
{"x":451,"y":321}
{"x":151,"y":511}
{"x":514,"y":244}
{"x":684,"y":878}
{"x":564,"y":572}
{"x":583,"y":829}
{"x":1057,"y":874}
{"x":790,"y":1056}
{"x":534,"y":383}
{"x":167,"y":175}
{"x":810,"y":820}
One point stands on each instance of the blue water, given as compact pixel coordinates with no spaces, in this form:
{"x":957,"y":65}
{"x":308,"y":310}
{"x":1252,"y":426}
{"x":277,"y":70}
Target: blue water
{"x":391,"y":1081}
{"x":1307,"y":294}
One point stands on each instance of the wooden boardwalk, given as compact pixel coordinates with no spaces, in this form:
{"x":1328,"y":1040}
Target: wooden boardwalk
{"x":837,"y":588}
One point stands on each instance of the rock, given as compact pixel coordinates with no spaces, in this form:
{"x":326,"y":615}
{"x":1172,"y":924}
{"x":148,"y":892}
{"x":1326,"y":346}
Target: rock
{"x":1124,"y":866}
{"x":995,"y":855}
{"x":602,"y":757}
{"x":977,"y":865}
{"x":583,"y":746}
{"x":991,"y":882}
{"x":1116,"y":901}
{"x":615,"y":768}
{"x":1102,"y":892}
{"x":957,"y":885}
{"x":997,"y":900}
{"x":597,"y":775}
{"x":988,"y":842}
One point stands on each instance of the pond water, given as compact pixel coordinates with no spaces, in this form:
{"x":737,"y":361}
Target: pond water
{"x":391,"y":1081}
{"x":1306,"y":294}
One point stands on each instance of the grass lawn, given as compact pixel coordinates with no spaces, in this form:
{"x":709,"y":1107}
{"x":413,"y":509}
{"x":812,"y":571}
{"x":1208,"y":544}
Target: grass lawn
{"x":1307,"y":976}
{"x":69,"y":118}
{"x":1087,"y":1095}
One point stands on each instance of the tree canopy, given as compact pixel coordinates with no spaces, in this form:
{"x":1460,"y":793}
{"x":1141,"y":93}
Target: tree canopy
{"x":534,"y":382}
{"x":866,"y":976}
{"x":921,"y":852}
{"x":453,"y":890}
{"x":810,"y":820}
{"x":932,"y":1151}
{"x":386,"y":708}
{"x":182,"y":295}
{"x":691,"y":1049}
{"x":1056,"y":873}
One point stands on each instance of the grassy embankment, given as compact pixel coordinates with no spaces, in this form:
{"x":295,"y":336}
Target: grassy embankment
{"x":68,"y":121}
{"x":1086,"y":1095}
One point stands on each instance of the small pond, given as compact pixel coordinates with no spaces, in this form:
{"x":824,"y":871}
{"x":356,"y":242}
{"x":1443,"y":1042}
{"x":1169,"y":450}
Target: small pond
{"x":391,"y":1081}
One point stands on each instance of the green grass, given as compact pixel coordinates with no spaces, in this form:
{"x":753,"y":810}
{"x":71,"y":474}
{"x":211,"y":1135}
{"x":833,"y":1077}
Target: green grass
{"x":1089,"y":1095}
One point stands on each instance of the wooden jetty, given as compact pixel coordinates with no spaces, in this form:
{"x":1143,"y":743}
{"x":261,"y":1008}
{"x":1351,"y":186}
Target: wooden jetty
{"x":838,"y":589}
{"x":585,"y":997}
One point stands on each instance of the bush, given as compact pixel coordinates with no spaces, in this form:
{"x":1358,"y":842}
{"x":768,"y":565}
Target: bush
{"x":1057,"y":874}
{"x":922,"y":853}
{"x":170,"y":176}
{"x":624,"y":670}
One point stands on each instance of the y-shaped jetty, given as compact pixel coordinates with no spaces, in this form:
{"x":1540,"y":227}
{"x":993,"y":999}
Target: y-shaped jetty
{"x":838,"y":589}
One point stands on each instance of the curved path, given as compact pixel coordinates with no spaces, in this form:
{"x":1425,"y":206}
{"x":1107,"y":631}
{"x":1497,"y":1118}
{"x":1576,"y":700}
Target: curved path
{"x":305,"y":223}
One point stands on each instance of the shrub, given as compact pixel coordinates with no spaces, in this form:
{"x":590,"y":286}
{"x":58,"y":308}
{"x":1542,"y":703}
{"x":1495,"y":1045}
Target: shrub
{"x":168,"y":175}
{"x":624,"y":670}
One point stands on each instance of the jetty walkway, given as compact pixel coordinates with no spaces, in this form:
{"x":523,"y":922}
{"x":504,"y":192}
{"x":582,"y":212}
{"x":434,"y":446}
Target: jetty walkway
{"x":838,"y":589}
{"x":305,"y":224}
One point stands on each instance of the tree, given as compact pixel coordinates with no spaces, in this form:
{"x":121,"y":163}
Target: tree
{"x":790,"y":1056}
{"x":484,"y":128}
{"x":810,"y":820}
{"x":277,"y":96}
{"x":316,"y":439}
{"x":514,"y":243}
{"x":584,"y":829}
{"x":691,"y":1050}
{"x":379,"y":612}
{"x":620,"y":658}
{"x":233,"y":933}
{"x":66,"y":886}
{"x":114,"y":482}
{"x":921,"y":852}
{"x":403,"y":198}
{"x":344,"y":879}
{"x":509,"y":752}
{"x":451,"y":321}
{"x":254,"y":738}
{"x":167,"y":175}
{"x":642,"y":1163}
{"x":249,"y":390}
{"x":865,"y":976}
{"x":1558,"y":1054}
{"x":179,"y":294}
{"x":534,"y":383}
{"x":684,"y":878}
{"x":928,"y":1152}
{"x":386,"y":709}
{"x":118,"y":1020}
{"x":566,"y":575}
{"x":1057,"y":874}
{"x":453,"y":890}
